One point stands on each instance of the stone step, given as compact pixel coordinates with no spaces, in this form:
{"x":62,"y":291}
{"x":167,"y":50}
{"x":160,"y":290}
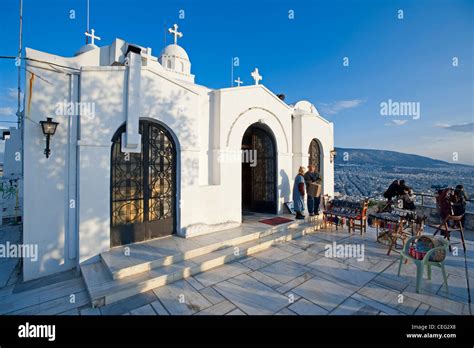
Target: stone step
{"x":143,"y":257}
{"x":104,"y":290}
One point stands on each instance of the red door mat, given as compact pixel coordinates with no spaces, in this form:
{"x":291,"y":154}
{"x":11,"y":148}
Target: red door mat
{"x":275,"y":221}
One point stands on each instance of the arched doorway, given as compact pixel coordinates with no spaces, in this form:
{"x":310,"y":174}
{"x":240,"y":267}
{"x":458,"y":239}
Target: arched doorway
{"x":314,"y":152}
{"x":143,"y":187}
{"x":259,"y":170}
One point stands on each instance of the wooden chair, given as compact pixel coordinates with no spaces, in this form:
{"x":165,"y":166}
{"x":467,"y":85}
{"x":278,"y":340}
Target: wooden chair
{"x":398,"y":234}
{"x":457,"y":226}
{"x":404,"y":230}
{"x":360,"y":222}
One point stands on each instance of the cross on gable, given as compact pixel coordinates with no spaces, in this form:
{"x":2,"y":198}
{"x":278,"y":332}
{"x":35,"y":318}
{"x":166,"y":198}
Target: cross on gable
{"x":256,"y":76}
{"x":238,"y":81}
{"x":175,"y":33}
{"x":92,"y":36}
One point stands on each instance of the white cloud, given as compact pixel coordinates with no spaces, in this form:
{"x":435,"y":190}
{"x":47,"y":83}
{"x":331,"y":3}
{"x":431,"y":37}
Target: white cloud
{"x":460,"y":127}
{"x":338,"y":106}
{"x":7,"y":111}
{"x":451,"y":144}
{"x":396,"y":123}
{"x":12,"y":94}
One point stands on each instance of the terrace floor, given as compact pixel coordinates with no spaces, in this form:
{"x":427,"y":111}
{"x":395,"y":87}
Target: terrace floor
{"x":291,"y":278}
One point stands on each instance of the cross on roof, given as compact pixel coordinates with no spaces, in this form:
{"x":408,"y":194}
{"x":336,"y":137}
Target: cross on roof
{"x":92,"y":36}
{"x":238,"y":81}
{"x":175,"y":33}
{"x":256,"y":76}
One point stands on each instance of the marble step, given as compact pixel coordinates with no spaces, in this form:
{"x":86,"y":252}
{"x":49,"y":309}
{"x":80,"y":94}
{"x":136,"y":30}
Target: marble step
{"x":104,"y":290}
{"x":146,"y":256}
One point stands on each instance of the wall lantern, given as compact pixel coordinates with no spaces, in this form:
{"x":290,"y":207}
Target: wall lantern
{"x":332,"y":155}
{"x":49,"y":128}
{"x":6,"y":135}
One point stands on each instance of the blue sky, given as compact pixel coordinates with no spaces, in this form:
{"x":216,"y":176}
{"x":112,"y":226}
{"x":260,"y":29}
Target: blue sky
{"x":404,"y":60}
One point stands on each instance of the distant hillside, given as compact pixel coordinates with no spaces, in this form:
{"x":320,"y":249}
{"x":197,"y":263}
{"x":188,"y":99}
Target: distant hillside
{"x":387,"y":159}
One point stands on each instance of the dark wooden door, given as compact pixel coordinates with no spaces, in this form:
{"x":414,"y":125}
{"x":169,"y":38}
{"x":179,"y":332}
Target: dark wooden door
{"x":259,"y":178}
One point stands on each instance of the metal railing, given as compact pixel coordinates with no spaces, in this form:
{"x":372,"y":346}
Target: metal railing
{"x":9,"y":188}
{"x":423,"y":199}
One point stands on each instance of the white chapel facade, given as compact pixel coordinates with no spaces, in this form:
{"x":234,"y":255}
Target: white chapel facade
{"x":160,"y":155}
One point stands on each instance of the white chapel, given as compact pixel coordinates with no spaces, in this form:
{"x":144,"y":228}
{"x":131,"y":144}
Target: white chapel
{"x":141,"y":151}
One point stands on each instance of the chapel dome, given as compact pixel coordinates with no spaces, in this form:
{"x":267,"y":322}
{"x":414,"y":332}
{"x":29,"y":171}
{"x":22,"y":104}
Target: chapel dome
{"x":176,"y":51}
{"x":174,"y":59}
{"x":305,"y":107}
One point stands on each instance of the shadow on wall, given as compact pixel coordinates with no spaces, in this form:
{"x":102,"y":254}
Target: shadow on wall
{"x":173,"y":110}
{"x":106,"y":91}
{"x":284,"y":186}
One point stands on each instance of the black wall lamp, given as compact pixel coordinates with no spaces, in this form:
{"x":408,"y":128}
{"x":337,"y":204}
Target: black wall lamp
{"x":49,"y":128}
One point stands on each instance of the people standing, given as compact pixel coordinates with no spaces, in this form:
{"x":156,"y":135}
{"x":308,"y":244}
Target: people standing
{"x":298,"y":193}
{"x":311,"y":176}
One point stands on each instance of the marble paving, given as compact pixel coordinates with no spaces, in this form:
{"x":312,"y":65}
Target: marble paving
{"x":292,"y":278}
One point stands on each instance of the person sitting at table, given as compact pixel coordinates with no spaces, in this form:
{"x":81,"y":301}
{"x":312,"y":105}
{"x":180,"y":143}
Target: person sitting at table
{"x":444,"y":203}
{"x":459,"y":200}
{"x":393,"y":190}
{"x":408,"y":198}
{"x":402,"y":187}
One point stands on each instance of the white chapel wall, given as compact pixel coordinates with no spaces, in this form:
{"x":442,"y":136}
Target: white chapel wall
{"x":307,"y":127}
{"x":240,"y":108}
{"x":205,"y":124}
{"x":46,"y":184}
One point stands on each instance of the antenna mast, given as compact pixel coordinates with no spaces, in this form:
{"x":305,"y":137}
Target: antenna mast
{"x":87,"y":24}
{"x":18,"y":63}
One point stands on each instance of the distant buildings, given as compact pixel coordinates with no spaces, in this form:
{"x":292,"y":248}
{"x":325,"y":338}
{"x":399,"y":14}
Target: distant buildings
{"x":372,"y":181}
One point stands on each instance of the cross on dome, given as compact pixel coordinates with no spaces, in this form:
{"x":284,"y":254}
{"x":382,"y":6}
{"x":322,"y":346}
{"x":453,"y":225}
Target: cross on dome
{"x":175,"y":33}
{"x":238,"y":81}
{"x":92,"y":36}
{"x":256,"y":76}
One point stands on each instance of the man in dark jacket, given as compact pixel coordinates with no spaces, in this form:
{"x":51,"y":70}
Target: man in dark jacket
{"x":393,"y":190}
{"x":459,"y":202}
{"x":313,"y":202}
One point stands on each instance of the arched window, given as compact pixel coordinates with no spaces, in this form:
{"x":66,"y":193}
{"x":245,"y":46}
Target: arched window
{"x":182,"y":67}
{"x":314,"y":152}
{"x":168,"y":63}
